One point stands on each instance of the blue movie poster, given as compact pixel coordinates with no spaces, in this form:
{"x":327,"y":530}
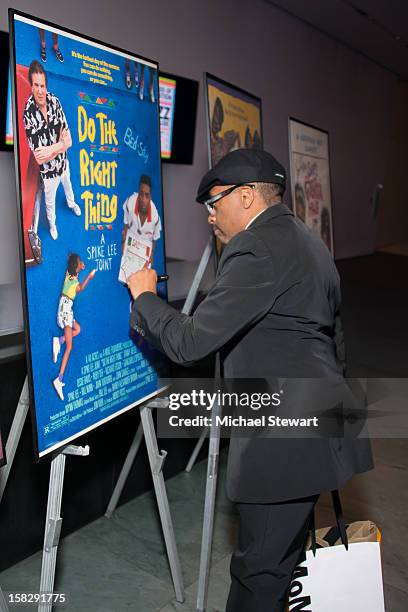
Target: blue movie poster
{"x":92,"y":213}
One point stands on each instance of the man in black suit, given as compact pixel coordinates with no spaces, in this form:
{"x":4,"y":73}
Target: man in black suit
{"x":272,"y":312}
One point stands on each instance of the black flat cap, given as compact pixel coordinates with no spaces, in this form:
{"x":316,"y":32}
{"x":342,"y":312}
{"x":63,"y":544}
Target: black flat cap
{"x":242,"y":166}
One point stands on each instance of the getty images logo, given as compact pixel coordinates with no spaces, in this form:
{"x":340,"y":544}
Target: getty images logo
{"x":298,"y":601}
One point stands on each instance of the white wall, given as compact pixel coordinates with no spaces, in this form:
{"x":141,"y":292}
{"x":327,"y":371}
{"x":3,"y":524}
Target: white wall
{"x":294,"y":69}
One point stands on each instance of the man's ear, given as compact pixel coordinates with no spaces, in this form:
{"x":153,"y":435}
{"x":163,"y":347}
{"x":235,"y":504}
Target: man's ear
{"x":247,"y":196}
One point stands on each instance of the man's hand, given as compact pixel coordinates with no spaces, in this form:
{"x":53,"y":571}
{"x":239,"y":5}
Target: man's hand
{"x":65,"y":138}
{"x":45,"y":154}
{"x":142,"y":281}
{"x":41,"y":155}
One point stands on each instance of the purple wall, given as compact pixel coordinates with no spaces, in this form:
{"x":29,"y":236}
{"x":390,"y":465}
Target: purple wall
{"x":296,"y":71}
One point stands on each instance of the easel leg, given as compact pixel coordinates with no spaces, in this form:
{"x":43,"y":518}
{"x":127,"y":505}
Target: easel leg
{"x":14,"y":436}
{"x":197,"y":449}
{"x":54,"y":522}
{"x":209,"y":511}
{"x":3,"y":603}
{"x":156,"y":460}
{"x":52,"y":529}
{"x":187,"y":308}
{"x":195,"y":285}
{"x":127,"y":466}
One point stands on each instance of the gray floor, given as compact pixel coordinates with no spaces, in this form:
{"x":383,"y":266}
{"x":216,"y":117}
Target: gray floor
{"x":120,"y":564}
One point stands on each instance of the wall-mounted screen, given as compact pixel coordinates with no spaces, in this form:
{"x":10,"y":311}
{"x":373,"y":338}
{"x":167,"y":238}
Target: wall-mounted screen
{"x":178,"y":113}
{"x":90,"y":204}
{"x":167,"y":97}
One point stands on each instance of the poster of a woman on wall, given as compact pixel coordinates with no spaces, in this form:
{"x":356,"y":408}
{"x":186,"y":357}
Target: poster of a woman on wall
{"x":310,"y":178}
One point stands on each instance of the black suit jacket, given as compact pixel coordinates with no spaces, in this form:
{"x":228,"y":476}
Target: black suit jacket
{"x":272,"y":313}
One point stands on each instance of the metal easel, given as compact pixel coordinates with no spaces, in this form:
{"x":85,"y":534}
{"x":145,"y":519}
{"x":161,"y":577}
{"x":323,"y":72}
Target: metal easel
{"x":209,"y":505}
{"x":54,"y":522}
{"x":213,"y":457}
{"x":213,"y":454}
{"x":3,"y":604}
{"x":161,"y":495}
{"x":156,"y":459}
{"x":11,"y":447}
{"x":188,"y":305}
{"x":137,"y":440}
{"x":14,"y":436}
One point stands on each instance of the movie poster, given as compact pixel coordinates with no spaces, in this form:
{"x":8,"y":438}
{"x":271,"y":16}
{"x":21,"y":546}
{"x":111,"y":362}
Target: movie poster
{"x":234,"y":119}
{"x":88,"y":160}
{"x":310,"y":179}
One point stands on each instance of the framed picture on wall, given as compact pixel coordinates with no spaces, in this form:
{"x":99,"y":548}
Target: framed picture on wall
{"x":310,"y":178}
{"x":234,"y":118}
{"x":91,"y":213}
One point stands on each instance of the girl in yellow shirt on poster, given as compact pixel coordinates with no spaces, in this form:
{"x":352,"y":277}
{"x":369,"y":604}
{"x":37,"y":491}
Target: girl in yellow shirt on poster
{"x":65,"y":316}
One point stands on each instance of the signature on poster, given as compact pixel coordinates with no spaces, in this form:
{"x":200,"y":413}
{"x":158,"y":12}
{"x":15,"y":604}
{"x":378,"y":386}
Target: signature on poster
{"x":133,"y":141}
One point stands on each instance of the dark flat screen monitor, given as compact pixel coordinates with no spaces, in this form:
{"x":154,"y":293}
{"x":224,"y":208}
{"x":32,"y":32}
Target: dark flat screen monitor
{"x":178,"y":112}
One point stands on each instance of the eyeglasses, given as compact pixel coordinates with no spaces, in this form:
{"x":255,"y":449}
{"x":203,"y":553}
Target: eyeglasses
{"x":209,"y":203}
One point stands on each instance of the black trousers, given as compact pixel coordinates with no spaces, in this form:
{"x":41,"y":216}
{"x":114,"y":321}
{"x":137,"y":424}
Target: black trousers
{"x":271,"y":540}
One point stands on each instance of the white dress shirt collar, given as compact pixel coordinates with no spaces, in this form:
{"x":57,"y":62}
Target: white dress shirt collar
{"x":253,"y":218}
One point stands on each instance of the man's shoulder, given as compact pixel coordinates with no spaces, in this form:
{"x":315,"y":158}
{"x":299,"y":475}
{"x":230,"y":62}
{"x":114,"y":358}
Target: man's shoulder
{"x":246,"y":242}
{"x":287,"y":238}
{"x":282,"y":232}
{"x":131,"y":198}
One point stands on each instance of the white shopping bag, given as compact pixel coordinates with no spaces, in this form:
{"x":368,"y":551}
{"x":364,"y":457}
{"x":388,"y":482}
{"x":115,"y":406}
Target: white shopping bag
{"x":339,"y":580}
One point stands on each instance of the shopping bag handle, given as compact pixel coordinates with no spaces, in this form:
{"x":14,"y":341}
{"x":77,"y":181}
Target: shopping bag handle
{"x":312,"y":527}
{"x":341,"y":524}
